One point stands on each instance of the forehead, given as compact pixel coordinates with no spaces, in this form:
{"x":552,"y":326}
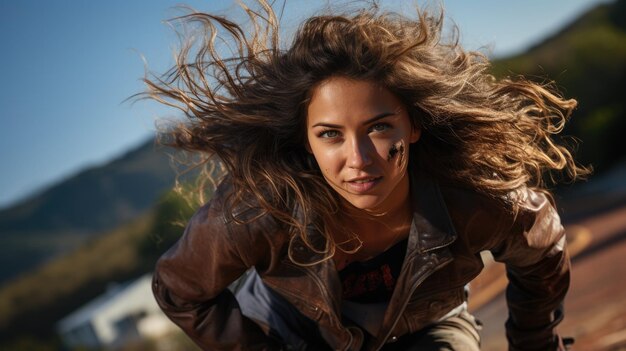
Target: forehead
{"x":340,"y":98}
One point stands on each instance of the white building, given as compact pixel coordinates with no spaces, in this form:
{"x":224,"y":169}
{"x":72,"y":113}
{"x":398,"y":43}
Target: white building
{"x":124,"y":313}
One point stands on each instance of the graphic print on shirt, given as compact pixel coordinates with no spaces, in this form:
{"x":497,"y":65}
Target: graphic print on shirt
{"x":373,"y":280}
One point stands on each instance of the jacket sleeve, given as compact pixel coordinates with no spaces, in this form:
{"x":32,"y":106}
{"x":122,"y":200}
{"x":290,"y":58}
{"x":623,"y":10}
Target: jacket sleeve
{"x":191,"y":281}
{"x":537,"y":266}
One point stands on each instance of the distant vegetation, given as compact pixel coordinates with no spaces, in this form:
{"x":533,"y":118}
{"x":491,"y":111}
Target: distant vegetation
{"x":587,"y":60}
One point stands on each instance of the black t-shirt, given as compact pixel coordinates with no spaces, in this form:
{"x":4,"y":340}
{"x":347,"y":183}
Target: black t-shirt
{"x":373,"y":281}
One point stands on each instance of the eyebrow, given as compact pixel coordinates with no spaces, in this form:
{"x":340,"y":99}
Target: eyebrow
{"x":369,"y":121}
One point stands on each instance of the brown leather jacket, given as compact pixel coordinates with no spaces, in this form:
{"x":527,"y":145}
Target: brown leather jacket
{"x":451,"y":226}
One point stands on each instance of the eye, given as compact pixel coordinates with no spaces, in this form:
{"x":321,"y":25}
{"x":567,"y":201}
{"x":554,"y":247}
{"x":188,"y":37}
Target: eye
{"x":380,"y":127}
{"x":329,"y":134}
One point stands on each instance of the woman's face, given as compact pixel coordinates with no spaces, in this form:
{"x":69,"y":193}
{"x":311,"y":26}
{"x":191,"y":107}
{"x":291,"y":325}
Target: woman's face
{"x":359,"y":134}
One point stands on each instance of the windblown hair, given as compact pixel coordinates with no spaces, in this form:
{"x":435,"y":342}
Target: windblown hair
{"x":249,"y":109}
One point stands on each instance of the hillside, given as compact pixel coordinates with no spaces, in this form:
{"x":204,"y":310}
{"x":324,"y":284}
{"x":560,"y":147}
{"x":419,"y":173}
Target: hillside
{"x":587,"y":59}
{"x":95,"y":200}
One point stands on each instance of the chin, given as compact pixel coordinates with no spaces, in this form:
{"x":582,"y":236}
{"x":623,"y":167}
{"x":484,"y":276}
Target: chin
{"x":365,"y":203}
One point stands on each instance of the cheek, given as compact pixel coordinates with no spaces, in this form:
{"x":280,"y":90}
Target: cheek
{"x":388,"y":149}
{"x":327,"y":159}
{"x":397,"y":155}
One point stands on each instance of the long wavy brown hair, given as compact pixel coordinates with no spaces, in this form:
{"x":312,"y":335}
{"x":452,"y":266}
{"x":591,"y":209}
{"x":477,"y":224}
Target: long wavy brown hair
{"x":248,"y":108}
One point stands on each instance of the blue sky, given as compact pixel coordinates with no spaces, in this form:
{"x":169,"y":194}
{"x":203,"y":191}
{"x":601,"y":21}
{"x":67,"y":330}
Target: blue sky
{"x":68,"y":65}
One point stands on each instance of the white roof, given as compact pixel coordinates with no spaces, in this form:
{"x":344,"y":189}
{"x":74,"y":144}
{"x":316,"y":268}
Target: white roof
{"x":87,"y":312}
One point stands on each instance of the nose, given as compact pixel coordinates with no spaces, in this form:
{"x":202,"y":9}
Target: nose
{"x":359,"y":154}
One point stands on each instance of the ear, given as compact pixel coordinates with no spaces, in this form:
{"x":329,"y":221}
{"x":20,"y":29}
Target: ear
{"x":416,"y":133}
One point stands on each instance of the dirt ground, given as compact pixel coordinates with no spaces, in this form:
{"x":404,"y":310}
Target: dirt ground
{"x":595,"y":307}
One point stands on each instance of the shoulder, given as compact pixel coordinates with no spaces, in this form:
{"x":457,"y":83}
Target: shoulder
{"x":469,"y":208}
{"x":487,"y":221}
{"x":241,"y":225}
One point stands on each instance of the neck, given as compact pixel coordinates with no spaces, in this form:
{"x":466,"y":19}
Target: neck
{"x":378,"y":230}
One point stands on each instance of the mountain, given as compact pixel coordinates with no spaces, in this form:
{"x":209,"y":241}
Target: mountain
{"x":587,"y":59}
{"x":95,"y":200}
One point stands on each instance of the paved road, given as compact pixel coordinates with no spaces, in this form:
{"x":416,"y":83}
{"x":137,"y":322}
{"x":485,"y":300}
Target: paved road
{"x":596,"y":304}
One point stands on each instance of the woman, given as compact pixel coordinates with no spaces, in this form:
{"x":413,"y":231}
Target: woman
{"x":368,"y":165}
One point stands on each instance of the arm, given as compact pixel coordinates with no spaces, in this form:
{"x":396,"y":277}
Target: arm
{"x":537,"y":265}
{"x":191,"y":279}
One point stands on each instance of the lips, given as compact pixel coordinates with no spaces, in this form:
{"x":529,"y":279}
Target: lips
{"x":362,"y":184}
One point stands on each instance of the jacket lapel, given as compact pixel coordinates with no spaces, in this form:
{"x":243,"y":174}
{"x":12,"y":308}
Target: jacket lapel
{"x":431,"y":232}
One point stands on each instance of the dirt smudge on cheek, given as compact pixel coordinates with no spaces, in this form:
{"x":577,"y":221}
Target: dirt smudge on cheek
{"x":392,"y":152}
{"x":397,"y":152}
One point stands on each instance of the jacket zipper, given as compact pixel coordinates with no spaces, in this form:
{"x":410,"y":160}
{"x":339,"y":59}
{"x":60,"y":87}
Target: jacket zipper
{"x":406,"y":300}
